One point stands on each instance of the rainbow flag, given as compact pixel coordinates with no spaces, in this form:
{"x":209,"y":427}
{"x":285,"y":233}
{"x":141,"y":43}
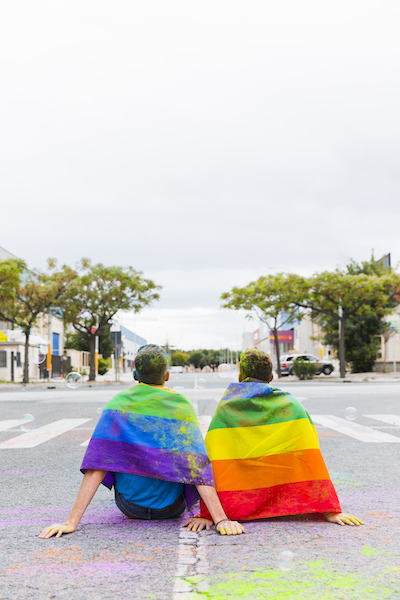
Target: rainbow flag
{"x":265,"y":455}
{"x":154,"y":432}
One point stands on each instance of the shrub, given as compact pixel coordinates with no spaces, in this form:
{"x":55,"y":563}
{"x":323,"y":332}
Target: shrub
{"x":103,"y":366}
{"x":304,"y":369}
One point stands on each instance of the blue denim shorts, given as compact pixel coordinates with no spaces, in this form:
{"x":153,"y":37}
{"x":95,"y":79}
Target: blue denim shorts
{"x":134,"y":511}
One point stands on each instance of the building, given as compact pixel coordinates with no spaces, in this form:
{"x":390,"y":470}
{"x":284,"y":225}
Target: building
{"x":130,"y":344}
{"x":299,"y":336}
{"x":389,"y":359}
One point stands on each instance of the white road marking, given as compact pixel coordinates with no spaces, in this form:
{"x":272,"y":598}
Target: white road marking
{"x":42,"y":434}
{"x":355,"y":430}
{"x":190,"y":577}
{"x":391,"y":419}
{"x":204,"y":422}
{"x":9,"y":424}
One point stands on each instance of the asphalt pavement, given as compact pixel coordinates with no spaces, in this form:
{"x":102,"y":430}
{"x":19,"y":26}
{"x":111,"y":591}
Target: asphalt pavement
{"x":110,"y":556}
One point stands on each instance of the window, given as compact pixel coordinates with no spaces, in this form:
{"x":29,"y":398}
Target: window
{"x":3,"y":358}
{"x":56,"y":344}
{"x":18,"y":359}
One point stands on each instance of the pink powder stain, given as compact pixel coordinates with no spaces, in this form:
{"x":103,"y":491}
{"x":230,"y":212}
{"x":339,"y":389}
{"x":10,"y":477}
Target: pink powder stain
{"x":107,"y":570}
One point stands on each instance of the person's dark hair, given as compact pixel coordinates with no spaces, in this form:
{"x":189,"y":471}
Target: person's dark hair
{"x":256,"y":364}
{"x":151,"y":364}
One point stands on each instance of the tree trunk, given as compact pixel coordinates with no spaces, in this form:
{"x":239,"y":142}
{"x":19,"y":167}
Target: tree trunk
{"x":278,"y":362}
{"x":26,"y":363}
{"x":92,"y":346}
{"x":342,"y":349}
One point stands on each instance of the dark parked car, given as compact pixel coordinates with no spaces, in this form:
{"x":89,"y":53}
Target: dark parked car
{"x":324,"y":366}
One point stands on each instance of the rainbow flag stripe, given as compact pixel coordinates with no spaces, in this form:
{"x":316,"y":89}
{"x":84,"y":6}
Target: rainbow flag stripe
{"x":153,"y":432}
{"x":265,"y":455}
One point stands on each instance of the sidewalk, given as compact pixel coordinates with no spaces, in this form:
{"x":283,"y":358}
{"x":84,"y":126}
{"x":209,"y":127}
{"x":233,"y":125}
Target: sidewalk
{"x":60,"y":384}
{"x":371,"y":377}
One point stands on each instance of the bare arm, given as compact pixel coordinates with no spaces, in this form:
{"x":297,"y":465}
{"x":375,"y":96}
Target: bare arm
{"x":211,"y":500}
{"x":90,"y":483}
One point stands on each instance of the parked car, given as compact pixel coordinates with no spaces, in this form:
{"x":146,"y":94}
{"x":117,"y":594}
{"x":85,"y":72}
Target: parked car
{"x":176,"y":369}
{"x":324,"y":366}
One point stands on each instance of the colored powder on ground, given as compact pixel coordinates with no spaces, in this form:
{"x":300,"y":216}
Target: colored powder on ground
{"x":306,"y":581}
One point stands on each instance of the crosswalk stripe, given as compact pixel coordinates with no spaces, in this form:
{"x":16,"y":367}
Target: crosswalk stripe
{"x":52,"y":430}
{"x":354,"y":430}
{"x":42,"y":434}
{"x":204,"y":422}
{"x":391,"y":419}
{"x":9,"y":424}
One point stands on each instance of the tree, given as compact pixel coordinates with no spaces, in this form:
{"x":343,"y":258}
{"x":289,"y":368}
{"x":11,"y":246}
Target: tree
{"x":210,"y":358}
{"x":38,"y":293}
{"x":196,"y":358}
{"x":363,"y":331}
{"x":98,"y":294}
{"x":271,"y":297}
{"x":10,"y":280}
{"x":179,"y":358}
{"x":80,"y":341}
{"x":339,"y":296}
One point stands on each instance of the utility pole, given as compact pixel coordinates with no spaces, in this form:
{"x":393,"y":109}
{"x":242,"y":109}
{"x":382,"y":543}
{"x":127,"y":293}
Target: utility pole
{"x":48,"y":358}
{"x":96,"y":352}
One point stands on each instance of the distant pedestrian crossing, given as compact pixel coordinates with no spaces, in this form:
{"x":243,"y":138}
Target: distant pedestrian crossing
{"x":355,"y":430}
{"x":40,"y":435}
{"x":43,"y":434}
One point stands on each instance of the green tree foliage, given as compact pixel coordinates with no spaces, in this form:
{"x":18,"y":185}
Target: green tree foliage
{"x":36,"y":294}
{"x":270,"y":297}
{"x":98,"y":294}
{"x":336,"y":297}
{"x":10,"y":280}
{"x":196,"y":358}
{"x":210,"y":358}
{"x":80,"y":341}
{"x":179,"y":358}
{"x":362,"y":333}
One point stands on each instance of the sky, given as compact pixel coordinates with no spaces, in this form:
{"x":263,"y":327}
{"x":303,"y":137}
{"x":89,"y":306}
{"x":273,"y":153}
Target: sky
{"x":204,"y":144}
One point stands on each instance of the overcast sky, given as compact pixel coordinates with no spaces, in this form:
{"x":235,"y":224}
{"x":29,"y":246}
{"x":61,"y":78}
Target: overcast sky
{"x":204,"y":143}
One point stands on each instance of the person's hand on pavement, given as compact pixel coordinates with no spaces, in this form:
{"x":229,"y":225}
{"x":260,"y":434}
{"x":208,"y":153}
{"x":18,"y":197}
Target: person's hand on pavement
{"x":57,"y":528}
{"x":197,"y":524}
{"x":227,"y":527}
{"x":342,"y":519}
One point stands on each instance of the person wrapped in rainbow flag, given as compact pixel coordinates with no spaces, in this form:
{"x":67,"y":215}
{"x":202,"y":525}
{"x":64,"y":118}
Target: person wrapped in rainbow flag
{"x":148,"y":445}
{"x":265,"y":454}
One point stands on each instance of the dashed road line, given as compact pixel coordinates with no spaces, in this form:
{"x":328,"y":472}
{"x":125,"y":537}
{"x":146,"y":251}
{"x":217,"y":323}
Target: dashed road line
{"x":42,"y":434}
{"x":355,"y":430}
{"x":190,"y":577}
